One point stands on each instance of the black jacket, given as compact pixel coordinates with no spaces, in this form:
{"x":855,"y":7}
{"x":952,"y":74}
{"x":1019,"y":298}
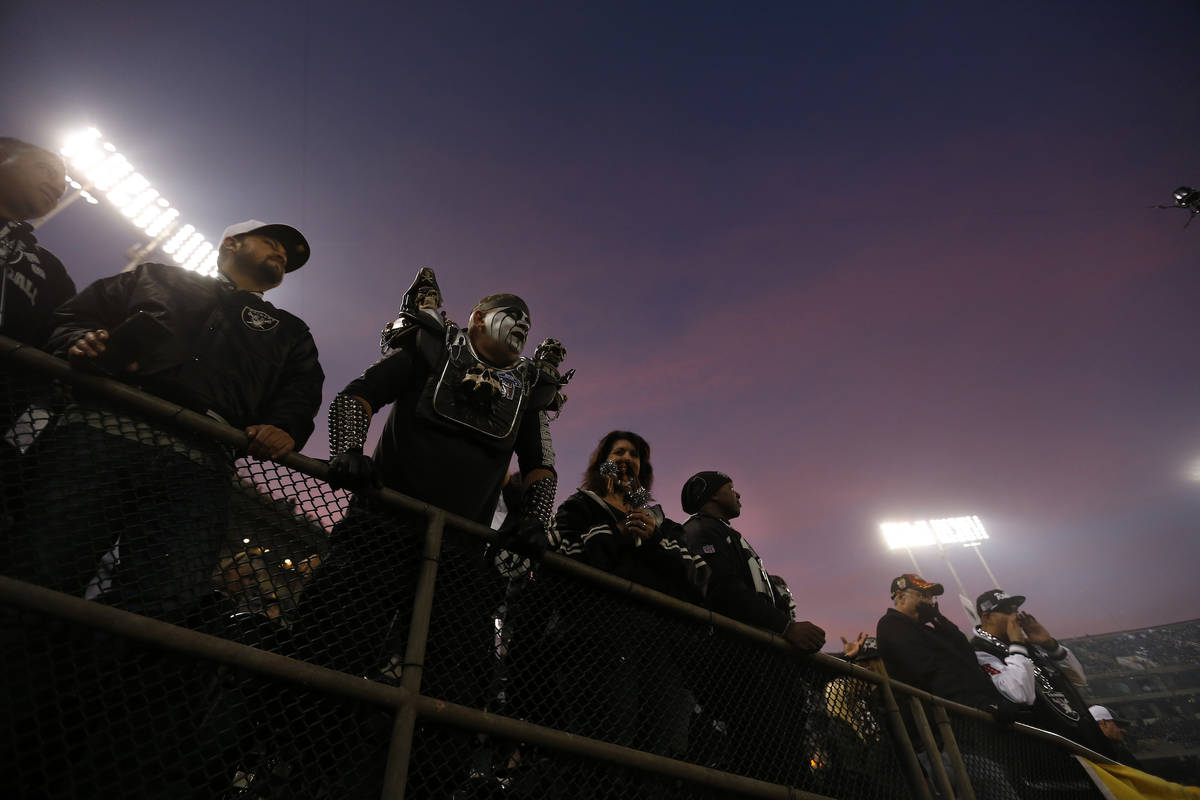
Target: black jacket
{"x":37,"y":284}
{"x":588,"y":527}
{"x":227,"y":350}
{"x":936,"y":657}
{"x":732,"y":590}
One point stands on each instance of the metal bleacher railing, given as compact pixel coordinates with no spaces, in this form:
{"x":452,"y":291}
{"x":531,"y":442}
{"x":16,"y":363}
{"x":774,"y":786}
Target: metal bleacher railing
{"x":293,"y":641}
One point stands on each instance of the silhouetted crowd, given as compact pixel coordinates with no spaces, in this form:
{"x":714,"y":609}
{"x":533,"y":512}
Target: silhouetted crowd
{"x":463,"y":401}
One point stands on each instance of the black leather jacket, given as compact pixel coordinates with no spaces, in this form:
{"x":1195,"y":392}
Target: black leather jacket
{"x":226,"y":350}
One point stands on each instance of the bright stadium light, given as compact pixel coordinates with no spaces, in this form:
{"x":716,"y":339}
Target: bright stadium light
{"x":97,"y":166}
{"x":923,"y":532}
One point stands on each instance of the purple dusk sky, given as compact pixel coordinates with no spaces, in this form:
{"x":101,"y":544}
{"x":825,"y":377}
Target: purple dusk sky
{"x":876,"y":261}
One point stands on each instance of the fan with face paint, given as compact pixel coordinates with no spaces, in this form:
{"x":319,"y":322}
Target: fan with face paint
{"x":505,"y":321}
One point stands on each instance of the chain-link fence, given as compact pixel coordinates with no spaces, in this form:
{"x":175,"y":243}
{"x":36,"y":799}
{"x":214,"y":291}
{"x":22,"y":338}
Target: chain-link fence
{"x":236,"y":607}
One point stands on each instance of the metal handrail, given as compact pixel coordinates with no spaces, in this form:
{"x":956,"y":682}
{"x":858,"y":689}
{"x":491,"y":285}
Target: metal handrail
{"x":406,"y":700}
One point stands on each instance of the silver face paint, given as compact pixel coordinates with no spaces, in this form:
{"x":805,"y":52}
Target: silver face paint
{"x":508,"y":326}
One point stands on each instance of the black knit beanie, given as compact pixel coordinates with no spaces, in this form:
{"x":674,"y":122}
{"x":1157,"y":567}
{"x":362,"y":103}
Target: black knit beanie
{"x":700,"y":488}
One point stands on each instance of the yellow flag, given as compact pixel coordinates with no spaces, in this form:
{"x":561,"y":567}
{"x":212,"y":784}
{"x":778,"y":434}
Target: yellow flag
{"x":1118,"y":782}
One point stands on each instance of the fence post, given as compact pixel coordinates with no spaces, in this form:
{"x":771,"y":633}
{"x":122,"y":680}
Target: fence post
{"x":904,"y":746}
{"x":965,"y":790}
{"x":400,"y":748}
{"x":932,"y":753}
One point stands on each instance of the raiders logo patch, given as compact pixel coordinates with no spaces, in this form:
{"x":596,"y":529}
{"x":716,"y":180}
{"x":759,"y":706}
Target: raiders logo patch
{"x":257,"y":320}
{"x":508,"y":384}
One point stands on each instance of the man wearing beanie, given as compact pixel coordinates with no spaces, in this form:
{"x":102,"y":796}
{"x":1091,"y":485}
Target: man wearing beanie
{"x":740,"y":586}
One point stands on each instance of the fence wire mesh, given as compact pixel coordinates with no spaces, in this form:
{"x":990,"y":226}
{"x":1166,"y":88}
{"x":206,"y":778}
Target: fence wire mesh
{"x":160,"y":521}
{"x":1004,"y":766}
{"x":505,"y":768}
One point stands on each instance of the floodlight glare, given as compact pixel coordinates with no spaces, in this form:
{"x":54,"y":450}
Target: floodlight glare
{"x":952,"y":530}
{"x":100,"y":166}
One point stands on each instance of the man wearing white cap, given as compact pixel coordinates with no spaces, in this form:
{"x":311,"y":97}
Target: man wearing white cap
{"x":1113,"y":727}
{"x":159,"y":495}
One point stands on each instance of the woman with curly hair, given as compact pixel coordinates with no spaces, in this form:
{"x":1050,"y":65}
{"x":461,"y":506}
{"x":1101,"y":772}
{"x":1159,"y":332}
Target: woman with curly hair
{"x":610,"y":522}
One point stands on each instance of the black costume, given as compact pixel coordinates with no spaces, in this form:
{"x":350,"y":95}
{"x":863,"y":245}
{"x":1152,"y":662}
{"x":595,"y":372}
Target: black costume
{"x":444,"y":444}
{"x":163,"y":493}
{"x":453,"y":428}
{"x":740,"y":587}
{"x":438,"y":445}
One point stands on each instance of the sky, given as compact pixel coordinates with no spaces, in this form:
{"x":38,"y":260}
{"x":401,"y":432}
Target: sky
{"x":875,"y":260}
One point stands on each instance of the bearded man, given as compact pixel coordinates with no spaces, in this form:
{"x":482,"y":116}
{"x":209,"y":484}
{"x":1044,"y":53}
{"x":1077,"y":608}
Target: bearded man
{"x":160,"y":495}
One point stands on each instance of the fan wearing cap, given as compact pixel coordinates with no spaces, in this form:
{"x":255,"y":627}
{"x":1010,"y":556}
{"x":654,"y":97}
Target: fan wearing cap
{"x":1113,"y":727}
{"x":210,"y":344}
{"x":740,"y":586}
{"x":921,"y":647}
{"x":204,"y":346}
{"x":1030,"y":668}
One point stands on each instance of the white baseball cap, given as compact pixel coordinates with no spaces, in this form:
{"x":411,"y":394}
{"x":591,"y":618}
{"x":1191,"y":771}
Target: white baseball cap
{"x":292,"y":240}
{"x":1100,"y":713}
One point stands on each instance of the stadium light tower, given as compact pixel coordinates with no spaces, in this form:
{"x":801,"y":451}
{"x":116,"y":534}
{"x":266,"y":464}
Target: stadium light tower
{"x":98,"y":168}
{"x":967,"y":531}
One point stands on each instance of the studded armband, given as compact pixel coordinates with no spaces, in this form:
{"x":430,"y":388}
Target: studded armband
{"x":348,"y":424}
{"x":538,"y":501}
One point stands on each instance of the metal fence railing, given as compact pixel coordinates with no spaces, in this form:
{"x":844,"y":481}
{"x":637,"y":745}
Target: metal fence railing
{"x":234,"y":607}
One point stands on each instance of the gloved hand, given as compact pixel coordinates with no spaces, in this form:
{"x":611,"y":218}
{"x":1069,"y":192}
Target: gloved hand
{"x":354,"y":471}
{"x":528,"y":538}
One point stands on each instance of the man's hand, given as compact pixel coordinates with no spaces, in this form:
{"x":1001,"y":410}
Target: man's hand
{"x":1036,"y":631}
{"x":528,"y":538}
{"x":638,"y":524}
{"x":267,"y":441}
{"x":851,"y":649}
{"x":805,"y":636}
{"x":89,"y":347}
{"x":1015,"y":634}
{"x":354,"y":471}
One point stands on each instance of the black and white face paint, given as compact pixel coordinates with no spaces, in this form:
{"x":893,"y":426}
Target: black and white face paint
{"x":508,"y":326}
